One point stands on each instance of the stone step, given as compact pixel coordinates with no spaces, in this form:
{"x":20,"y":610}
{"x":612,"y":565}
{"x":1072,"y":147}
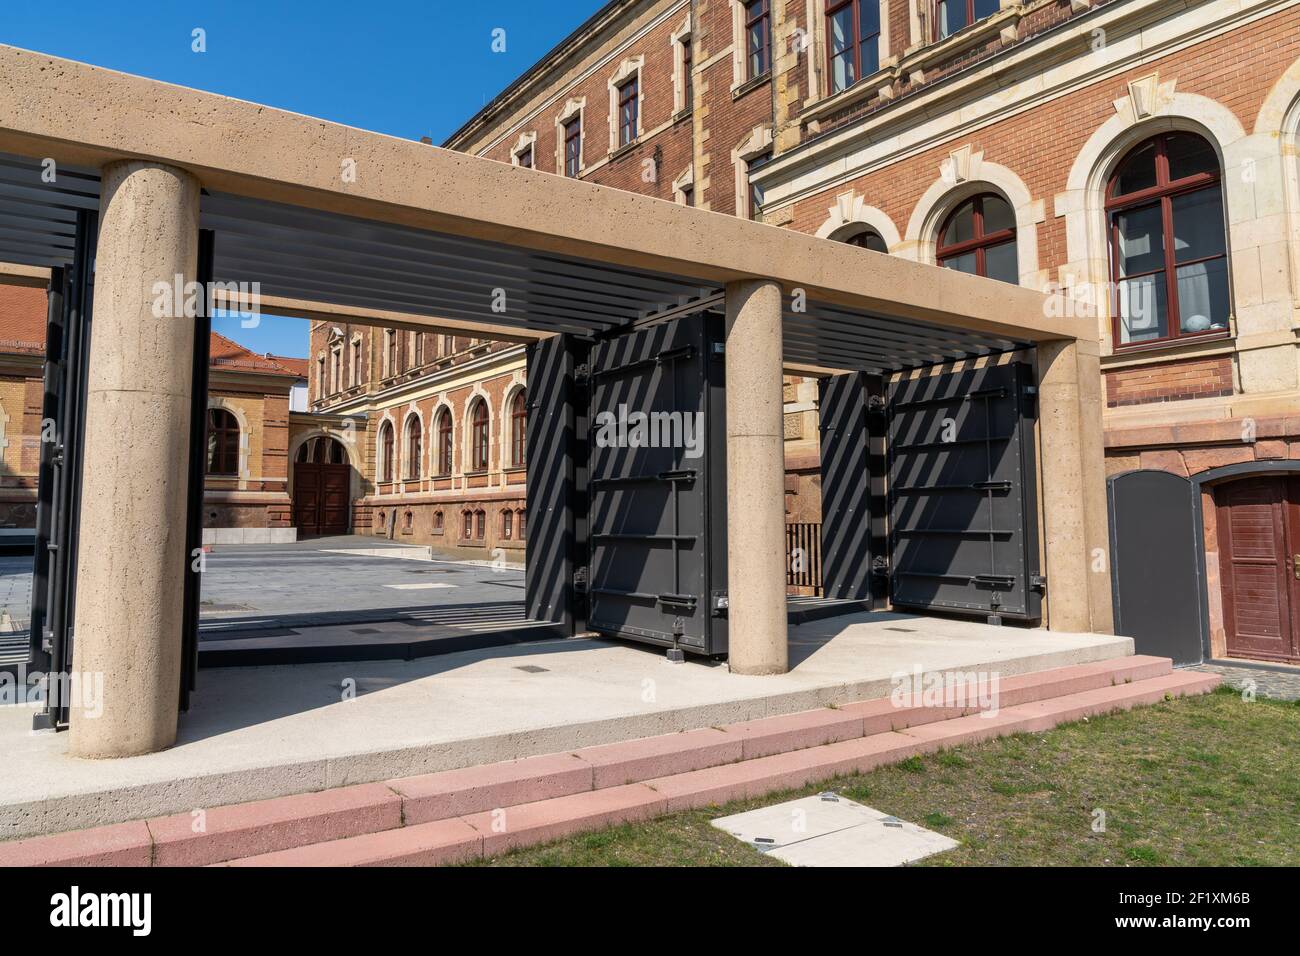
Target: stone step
{"x":546,"y":820}
{"x":282,"y":824}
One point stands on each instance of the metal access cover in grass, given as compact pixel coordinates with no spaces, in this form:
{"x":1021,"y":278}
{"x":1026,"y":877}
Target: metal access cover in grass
{"x":831,"y":830}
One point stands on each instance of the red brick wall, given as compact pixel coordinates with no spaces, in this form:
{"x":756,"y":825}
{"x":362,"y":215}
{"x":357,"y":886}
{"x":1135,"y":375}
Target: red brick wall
{"x":1169,"y":382}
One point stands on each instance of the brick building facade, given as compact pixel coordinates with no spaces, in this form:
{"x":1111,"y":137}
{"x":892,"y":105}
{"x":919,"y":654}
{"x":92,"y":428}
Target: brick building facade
{"x":246,"y":496}
{"x":1115,"y":150}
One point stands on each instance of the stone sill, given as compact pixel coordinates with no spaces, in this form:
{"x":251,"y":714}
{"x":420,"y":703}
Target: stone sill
{"x":1207,"y":346}
{"x":750,"y":85}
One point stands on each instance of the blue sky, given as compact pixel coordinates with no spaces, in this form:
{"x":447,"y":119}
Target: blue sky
{"x":408,"y":68}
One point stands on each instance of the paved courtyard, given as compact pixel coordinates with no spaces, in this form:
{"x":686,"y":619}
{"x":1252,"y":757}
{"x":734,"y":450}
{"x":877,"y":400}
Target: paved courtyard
{"x":1266,"y":680}
{"x":322,"y":583}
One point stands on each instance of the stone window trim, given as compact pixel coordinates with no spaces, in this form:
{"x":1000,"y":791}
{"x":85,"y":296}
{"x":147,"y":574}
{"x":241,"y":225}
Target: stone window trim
{"x":756,"y":144}
{"x":682,"y":183}
{"x":966,"y":174}
{"x":573,"y":109}
{"x":469,"y":460}
{"x":409,"y":470}
{"x":852,"y":215}
{"x":505,"y":440}
{"x":527,"y":141}
{"x":815,"y":45}
{"x":1250,"y":203}
{"x":356,"y":348}
{"x":244,"y":472}
{"x":741,"y":81}
{"x":924,"y":45}
{"x":677,"y":41}
{"x":630,"y":68}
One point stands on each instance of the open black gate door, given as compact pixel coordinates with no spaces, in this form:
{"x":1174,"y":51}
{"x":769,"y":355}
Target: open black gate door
{"x":54,"y":574}
{"x":963,"y":513}
{"x":656,"y":516}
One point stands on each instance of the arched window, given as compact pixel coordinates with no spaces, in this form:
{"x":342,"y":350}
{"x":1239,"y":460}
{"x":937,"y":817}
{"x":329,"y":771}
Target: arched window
{"x":480,"y":436}
{"x":867,"y":239}
{"x":518,"y":428}
{"x":414,"y":445}
{"x":322,"y":450}
{"x":480,"y":524}
{"x":979,"y":238}
{"x":467,"y":525}
{"x":444,"y":442}
{"x":523,"y":523}
{"x":507,"y":524}
{"x":1169,"y":254}
{"x":386,"y":451}
{"x":437,"y":522}
{"x":223,"y":443}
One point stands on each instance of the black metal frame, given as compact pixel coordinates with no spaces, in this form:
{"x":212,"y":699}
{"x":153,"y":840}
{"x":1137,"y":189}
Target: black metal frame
{"x":201,"y":360}
{"x":54,"y":582}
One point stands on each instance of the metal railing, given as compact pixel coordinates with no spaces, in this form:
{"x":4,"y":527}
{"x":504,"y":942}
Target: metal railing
{"x":803,"y":557}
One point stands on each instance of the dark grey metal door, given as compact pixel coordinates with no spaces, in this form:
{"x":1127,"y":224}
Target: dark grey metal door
{"x":1156,"y":576}
{"x":656,"y":512}
{"x":963,"y":524}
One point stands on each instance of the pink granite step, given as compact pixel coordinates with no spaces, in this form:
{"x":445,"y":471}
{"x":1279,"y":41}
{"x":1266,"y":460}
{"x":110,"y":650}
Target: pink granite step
{"x":439,"y":843}
{"x":454,"y":793}
{"x":225,"y":833}
{"x":122,"y":844}
{"x":551,"y":796}
{"x":630,"y":761}
{"x":548,"y":820}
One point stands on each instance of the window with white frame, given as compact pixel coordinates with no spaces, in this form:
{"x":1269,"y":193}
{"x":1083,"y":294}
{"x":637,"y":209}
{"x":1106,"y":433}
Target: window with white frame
{"x":573,"y":147}
{"x":629,"y":110}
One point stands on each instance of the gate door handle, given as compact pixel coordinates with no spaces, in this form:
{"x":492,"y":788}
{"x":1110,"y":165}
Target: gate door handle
{"x":1295,"y":566}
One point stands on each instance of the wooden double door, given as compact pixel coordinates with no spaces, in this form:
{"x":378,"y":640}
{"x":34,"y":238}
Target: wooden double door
{"x":1259,"y":560}
{"x":321,"y":498}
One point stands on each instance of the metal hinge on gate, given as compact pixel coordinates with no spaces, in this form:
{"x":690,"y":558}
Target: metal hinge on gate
{"x":1038,"y":582}
{"x":880,"y":566}
{"x":580,"y":579}
{"x":876,"y":404}
{"x":582,"y":374}
{"x":719,"y":603}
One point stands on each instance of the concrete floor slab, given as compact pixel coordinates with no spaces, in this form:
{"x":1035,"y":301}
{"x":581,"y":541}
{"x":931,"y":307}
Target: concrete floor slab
{"x":261,"y":732}
{"x":830,"y":830}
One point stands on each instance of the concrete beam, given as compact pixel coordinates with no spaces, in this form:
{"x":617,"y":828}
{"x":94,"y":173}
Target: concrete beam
{"x":328,"y":312}
{"x":85,"y":115}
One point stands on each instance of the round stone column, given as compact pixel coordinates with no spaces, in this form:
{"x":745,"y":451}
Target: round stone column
{"x":131,"y":563}
{"x":756,"y":559}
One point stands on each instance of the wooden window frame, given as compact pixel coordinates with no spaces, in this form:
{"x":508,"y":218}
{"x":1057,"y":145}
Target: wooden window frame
{"x":445,"y":451}
{"x":981,"y":243}
{"x":387,"y":447}
{"x":480,"y":451}
{"x":519,"y":429}
{"x":573,"y":147}
{"x":414,"y":447}
{"x":1164,"y":192}
{"x":763,"y":21}
{"x":833,"y":7}
{"x":225,"y":447}
{"x":628,"y":103}
{"x":971,"y":20}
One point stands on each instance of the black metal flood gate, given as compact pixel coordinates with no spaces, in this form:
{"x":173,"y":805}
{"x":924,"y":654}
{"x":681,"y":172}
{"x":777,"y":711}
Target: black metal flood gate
{"x":962,"y":482}
{"x":655,"y":478}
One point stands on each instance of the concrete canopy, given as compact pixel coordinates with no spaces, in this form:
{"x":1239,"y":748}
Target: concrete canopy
{"x":332,"y":220}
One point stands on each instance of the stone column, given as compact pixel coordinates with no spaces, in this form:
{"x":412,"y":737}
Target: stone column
{"x":1073,"y":495}
{"x":755,"y":480}
{"x":132,"y":561}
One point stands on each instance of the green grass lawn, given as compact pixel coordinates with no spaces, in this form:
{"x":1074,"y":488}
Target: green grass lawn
{"x":1210,"y":781}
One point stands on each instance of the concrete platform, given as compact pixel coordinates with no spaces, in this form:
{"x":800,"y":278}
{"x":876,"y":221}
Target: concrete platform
{"x":258,"y":733}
